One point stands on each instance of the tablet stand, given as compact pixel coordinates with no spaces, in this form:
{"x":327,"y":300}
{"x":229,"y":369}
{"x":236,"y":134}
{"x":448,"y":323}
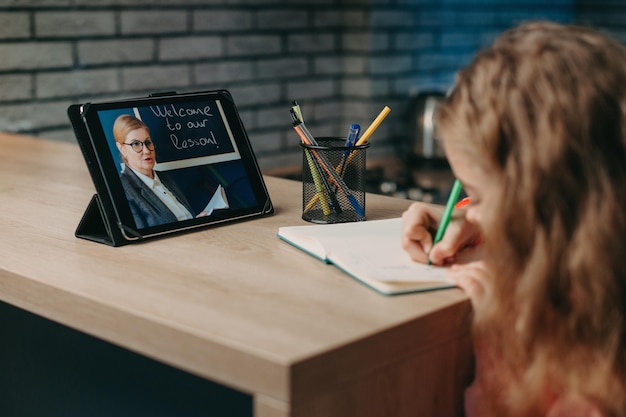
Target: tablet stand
{"x":97,"y":227}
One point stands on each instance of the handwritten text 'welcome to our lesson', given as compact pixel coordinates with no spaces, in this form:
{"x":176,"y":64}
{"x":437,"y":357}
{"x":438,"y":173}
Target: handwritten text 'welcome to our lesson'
{"x":183,"y":121}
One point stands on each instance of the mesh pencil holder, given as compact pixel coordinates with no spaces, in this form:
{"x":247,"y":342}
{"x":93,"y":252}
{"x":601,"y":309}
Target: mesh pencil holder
{"x":333,"y":181}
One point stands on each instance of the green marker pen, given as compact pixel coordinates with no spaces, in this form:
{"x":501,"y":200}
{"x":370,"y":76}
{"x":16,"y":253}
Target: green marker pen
{"x":447,"y":213}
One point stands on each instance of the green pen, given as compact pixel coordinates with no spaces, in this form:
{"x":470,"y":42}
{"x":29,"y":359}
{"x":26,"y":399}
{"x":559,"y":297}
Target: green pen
{"x":447,"y":213}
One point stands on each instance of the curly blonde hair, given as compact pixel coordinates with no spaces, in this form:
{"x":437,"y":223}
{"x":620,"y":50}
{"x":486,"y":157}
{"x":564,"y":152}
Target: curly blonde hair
{"x":543,"y":110}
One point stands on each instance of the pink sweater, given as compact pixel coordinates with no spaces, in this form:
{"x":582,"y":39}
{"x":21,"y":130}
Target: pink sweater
{"x":490,"y":382}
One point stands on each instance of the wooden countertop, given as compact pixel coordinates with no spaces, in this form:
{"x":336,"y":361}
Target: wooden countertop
{"x":232,"y":303}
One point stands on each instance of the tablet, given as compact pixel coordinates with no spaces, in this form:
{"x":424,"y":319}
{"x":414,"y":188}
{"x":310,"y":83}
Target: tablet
{"x":166,"y":163}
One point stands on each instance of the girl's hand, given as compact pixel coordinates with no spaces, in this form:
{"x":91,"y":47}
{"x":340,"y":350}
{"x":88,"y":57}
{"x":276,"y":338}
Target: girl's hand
{"x":419,"y":225}
{"x":474,"y":278}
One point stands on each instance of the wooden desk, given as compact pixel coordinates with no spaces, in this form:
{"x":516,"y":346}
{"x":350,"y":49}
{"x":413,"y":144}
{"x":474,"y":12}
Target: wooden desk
{"x":232,"y":304}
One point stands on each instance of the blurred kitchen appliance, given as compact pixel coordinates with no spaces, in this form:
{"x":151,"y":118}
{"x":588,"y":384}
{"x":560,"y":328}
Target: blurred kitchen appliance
{"x":426,"y":174}
{"x":424,"y":148}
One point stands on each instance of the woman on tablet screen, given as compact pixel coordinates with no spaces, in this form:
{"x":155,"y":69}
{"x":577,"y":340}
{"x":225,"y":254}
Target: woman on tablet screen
{"x":153,"y":199}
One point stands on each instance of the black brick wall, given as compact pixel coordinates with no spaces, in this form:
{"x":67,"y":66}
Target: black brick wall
{"x":343,"y":60}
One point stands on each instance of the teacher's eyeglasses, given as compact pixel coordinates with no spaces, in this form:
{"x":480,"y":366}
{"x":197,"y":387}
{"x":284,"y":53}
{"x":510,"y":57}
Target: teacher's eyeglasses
{"x":138,"y":146}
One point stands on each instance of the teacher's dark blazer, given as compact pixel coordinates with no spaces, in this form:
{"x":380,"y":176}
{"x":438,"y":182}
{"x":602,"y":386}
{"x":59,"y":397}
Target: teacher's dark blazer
{"x":147,"y":209}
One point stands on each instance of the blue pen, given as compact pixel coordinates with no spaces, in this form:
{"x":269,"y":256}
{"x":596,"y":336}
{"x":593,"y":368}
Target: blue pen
{"x":353,"y":136}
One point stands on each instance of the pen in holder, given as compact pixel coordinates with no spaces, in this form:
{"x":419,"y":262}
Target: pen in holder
{"x":333,"y":181}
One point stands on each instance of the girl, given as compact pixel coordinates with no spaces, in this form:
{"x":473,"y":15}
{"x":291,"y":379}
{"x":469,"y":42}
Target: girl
{"x":535,"y":129}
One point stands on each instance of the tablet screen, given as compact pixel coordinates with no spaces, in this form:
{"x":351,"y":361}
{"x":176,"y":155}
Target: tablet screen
{"x":176,"y":161}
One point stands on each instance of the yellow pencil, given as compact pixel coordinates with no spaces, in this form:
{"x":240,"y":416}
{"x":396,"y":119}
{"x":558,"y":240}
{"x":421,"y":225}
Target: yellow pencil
{"x":318,"y":183}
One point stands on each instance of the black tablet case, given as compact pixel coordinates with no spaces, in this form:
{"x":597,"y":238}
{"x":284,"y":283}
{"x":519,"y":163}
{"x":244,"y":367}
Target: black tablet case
{"x":99,"y":223}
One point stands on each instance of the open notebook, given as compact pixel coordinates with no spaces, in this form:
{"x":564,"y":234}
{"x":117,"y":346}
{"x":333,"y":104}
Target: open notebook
{"x":369,"y":251}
